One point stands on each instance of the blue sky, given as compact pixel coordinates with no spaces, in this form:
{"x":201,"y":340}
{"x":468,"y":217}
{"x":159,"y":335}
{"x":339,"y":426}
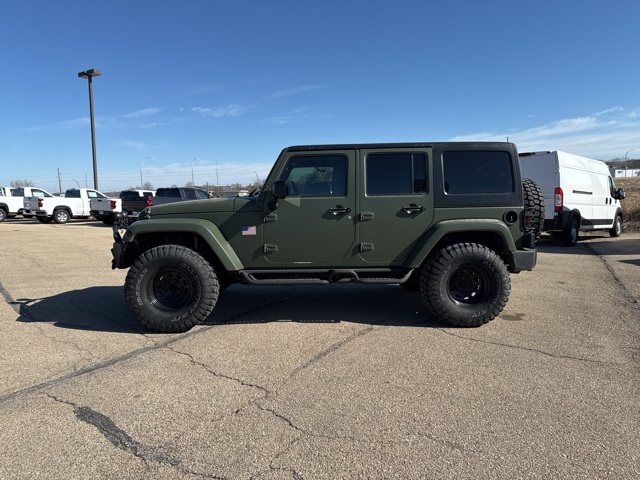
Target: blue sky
{"x":230,"y":83}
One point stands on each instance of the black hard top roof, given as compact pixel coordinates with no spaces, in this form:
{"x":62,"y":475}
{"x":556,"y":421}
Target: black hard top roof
{"x":355,"y":146}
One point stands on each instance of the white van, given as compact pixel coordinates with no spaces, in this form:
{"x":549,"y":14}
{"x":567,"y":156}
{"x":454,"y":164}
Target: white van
{"x":579,"y":194}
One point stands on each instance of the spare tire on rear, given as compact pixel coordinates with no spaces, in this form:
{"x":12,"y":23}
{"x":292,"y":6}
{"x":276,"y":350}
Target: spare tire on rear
{"x":534,"y":203}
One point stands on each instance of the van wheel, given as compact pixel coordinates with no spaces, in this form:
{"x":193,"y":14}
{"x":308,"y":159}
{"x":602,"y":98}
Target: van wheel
{"x":533,"y":198}
{"x":465,"y":284}
{"x":61,"y":216}
{"x":570,"y":235}
{"x":171,"y":288}
{"x":616,"y":230}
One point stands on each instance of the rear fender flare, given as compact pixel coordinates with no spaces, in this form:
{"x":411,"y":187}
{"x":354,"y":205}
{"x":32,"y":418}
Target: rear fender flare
{"x":467,"y":227}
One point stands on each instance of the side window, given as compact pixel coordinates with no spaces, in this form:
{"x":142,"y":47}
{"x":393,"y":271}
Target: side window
{"x":39,"y":193}
{"x":201,"y":194}
{"x":316,"y":176}
{"x":612,"y":188}
{"x":470,"y":172}
{"x":396,"y":173}
{"x":190,"y":194}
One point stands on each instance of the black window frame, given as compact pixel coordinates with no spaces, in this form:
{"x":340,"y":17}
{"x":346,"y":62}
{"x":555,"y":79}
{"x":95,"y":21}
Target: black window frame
{"x":410,"y":182}
{"x":324,"y":188}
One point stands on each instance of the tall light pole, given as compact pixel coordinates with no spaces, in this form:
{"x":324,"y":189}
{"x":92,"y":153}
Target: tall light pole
{"x":625,"y":155}
{"x":89,"y":74}
{"x":141,"y":184}
{"x":193,"y":182}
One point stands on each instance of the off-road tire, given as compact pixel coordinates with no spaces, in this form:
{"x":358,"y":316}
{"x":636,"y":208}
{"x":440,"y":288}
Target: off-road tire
{"x":465,"y":284}
{"x":61,"y":216}
{"x":570,"y":235}
{"x":171,"y":288}
{"x":533,"y":198}
{"x":616,"y":230}
{"x":43,"y":219}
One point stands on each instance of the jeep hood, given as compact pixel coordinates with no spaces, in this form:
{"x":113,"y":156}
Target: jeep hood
{"x":201,"y":206}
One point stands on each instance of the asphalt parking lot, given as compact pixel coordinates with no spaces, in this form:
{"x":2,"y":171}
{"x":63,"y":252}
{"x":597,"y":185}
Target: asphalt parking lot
{"x":340,"y":381}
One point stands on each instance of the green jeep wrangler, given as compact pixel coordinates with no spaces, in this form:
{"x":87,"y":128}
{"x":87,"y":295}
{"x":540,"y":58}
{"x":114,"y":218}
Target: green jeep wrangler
{"x":448,"y":219}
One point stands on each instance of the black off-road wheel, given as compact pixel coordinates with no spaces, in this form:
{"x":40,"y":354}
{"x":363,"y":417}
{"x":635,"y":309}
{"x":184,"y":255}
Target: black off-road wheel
{"x":171,"y":288}
{"x":534,"y":199}
{"x":465,"y":284}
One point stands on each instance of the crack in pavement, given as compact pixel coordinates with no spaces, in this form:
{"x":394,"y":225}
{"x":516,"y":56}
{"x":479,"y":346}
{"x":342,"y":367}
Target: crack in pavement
{"x":118,"y":437}
{"x":528,"y":349}
{"x":9,"y":299}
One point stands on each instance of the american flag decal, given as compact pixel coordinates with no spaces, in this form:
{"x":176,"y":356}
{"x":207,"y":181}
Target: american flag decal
{"x":249,"y":230}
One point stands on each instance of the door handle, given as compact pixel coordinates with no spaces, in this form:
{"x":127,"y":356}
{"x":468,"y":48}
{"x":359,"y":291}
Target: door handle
{"x":339,"y":210}
{"x":413,"y":208}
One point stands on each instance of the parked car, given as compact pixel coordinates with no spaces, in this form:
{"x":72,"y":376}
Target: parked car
{"x":178,"y":194}
{"x":449,"y":219}
{"x":134,"y":201}
{"x":130,"y":201}
{"x":12,"y":200}
{"x":579,"y":194}
{"x":74,"y":204}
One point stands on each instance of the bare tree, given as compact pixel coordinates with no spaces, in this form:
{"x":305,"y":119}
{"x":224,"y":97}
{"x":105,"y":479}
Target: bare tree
{"x":21,"y":183}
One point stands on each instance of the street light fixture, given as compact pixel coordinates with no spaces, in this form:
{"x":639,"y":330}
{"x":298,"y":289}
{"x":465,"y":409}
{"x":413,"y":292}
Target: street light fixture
{"x":625,"y":155}
{"x":193,"y":182}
{"x":141,"y":184}
{"x":89,"y":74}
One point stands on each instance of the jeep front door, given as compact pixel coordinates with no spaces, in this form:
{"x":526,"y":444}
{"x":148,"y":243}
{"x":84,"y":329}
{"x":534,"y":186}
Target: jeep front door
{"x":315,"y":224}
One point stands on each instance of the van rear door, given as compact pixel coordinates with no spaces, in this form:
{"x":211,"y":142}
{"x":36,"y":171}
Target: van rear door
{"x":577,"y":186}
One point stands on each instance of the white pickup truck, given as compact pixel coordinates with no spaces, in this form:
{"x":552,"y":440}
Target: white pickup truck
{"x":104,"y":208}
{"x":75,"y":203}
{"x":12,"y":200}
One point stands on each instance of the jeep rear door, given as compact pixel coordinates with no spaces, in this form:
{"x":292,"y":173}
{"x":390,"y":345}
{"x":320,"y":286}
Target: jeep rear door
{"x":315,"y":224}
{"x":396,"y":206}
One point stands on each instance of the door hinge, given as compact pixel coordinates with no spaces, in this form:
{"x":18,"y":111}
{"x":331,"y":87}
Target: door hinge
{"x":366,"y":216}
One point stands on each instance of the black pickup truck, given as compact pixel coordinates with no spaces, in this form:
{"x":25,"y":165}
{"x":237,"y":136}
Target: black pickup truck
{"x":178,"y":194}
{"x":134,"y":201}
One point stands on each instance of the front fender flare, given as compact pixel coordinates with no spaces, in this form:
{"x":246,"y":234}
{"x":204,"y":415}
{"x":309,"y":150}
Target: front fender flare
{"x":208,"y":231}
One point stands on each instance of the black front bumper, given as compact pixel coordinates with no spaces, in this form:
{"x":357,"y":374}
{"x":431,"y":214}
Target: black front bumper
{"x":119,"y":258}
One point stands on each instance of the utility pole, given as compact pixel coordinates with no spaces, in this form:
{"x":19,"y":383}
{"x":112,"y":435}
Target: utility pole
{"x":59,"y":182}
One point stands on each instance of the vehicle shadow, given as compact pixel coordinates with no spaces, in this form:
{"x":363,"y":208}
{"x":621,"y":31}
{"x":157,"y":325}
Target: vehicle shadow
{"x":380,"y":305}
{"x":93,"y":308}
{"x":104,"y":309}
{"x":598,"y":242}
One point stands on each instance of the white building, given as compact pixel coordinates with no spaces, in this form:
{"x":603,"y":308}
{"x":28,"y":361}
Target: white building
{"x":617,"y":172}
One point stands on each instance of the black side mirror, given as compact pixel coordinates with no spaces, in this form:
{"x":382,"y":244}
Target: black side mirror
{"x":279,"y":189}
{"x":620,"y":193}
